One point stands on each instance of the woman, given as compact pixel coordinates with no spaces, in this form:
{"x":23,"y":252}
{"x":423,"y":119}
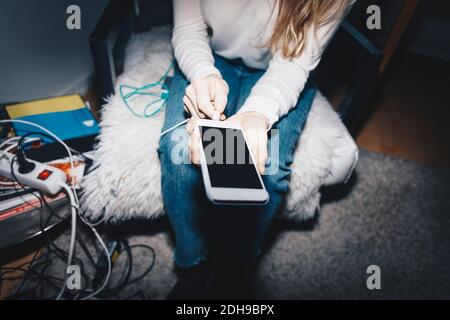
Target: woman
{"x":247,"y":61}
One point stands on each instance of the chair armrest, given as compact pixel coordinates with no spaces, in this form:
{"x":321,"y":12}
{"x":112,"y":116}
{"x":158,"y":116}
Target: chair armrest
{"x":355,"y":103}
{"x":108,"y":43}
{"x":363,"y":42}
{"x":349,"y":71}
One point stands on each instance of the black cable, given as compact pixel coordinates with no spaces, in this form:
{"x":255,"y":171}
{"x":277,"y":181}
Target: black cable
{"x":51,"y":246}
{"x":55,"y":282}
{"x":43,"y":203}
{"x":85,"y":250}
{"x":40,"y":217}
{"x":36,"y":271}
{"x":22,"y":142}
{"x":152,"y":264}
{"x":126,"y":274}
{"x":32,"y":264}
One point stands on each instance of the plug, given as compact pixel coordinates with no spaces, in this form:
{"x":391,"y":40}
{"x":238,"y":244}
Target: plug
{"x":25,"y":166}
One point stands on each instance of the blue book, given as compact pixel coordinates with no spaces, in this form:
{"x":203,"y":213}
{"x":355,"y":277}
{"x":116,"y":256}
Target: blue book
{"x":67,"y":117}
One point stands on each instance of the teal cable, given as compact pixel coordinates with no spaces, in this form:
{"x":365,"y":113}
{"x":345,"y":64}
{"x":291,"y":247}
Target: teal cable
{"x":163,"y":95}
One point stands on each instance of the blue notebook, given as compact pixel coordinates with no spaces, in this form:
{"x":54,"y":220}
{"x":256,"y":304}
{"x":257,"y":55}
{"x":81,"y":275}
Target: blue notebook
{"x":68,"y":117}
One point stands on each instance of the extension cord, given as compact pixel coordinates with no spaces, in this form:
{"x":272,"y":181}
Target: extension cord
{"x":71,"y":193}
{"x":43,"y":177}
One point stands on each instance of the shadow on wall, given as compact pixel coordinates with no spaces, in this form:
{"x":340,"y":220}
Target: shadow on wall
{"x":40,"y":56}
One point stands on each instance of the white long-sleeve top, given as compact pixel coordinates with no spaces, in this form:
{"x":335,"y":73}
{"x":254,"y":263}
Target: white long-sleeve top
{"x":242,"y":29}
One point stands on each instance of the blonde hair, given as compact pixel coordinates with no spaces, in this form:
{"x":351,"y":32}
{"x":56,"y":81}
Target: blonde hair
{"x":297,"y":17}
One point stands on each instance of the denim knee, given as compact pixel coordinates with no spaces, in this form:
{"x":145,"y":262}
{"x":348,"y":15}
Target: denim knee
{"x":175,"y":147}
{"x":181,"y":184}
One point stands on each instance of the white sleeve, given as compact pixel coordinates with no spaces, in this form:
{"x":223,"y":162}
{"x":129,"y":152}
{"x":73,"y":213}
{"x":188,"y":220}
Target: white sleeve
{"x":190,"y":40}
{"x":279,"y":89}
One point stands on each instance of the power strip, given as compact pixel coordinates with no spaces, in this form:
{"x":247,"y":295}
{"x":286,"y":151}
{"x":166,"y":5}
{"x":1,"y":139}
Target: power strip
{"x":43,"y":177}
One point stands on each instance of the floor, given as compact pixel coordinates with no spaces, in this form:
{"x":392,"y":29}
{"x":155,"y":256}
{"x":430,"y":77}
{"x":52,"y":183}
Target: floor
{"x":412,"y":119}
{"x":395,"y":214}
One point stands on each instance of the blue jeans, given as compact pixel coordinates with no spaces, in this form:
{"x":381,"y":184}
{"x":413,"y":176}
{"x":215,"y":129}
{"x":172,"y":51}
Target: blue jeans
{"x":237,"y":232}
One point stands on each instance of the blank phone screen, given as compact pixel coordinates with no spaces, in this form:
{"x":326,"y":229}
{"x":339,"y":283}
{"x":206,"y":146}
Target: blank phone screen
{"x":228,"y":159}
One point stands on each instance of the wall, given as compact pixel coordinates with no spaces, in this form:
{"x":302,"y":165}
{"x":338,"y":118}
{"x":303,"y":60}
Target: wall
{"x":39,"y":56}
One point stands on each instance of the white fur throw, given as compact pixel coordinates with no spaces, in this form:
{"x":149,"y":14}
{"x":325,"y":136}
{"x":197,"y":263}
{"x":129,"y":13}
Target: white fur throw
{"x":125,"y":182}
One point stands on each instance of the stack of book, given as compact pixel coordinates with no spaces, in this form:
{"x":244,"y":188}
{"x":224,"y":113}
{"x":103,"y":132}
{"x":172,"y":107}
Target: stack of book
{"x":22,"y":215}
{"x":14,"y":201}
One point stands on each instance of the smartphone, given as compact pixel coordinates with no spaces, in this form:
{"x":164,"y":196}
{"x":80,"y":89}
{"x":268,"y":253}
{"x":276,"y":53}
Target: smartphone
{"x":229,"y":172}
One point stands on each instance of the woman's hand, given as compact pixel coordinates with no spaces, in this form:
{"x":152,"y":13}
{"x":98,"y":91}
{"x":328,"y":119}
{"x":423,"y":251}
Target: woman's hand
{"x":206,"y":97}
{"x":194,"y":139}
{"x":255,"y":127}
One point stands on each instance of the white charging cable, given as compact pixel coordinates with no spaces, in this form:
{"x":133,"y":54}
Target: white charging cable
{"x":74,"y":202}
{"x":174,"y":127}
{"x":12,"y":143}
{"x":74,"y":208}
{"x":73,"y":233}
{"x":9,"y":141}
{"x":53,"y":136}
{"x":215,"y":117}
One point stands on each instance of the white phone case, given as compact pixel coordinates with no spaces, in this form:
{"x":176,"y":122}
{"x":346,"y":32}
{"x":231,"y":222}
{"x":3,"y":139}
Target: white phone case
{"x":230,"y":196}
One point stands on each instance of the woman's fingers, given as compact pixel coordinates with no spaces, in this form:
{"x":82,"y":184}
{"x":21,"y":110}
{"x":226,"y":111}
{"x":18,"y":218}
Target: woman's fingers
{"x":257,"y":140}
{"x":203,"y":99}
{"x":190,"y":102}
{"x":190,"y":125}
{"x":195,"y":151}
{"x":193,"y":142}
{"x":192,"y":110}
{"x":262,"y":151}
{"x":218,"y":92}
{"x":207,"y":97}
{"x":220,"y":101}
{"x":188,"y":107}
{"x":252,"y":141}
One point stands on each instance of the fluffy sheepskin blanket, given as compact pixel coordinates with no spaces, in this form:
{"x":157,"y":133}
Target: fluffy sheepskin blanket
{"x":125,"y":180}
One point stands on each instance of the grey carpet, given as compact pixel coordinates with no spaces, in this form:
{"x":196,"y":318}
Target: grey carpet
{"x":394,"y":214}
